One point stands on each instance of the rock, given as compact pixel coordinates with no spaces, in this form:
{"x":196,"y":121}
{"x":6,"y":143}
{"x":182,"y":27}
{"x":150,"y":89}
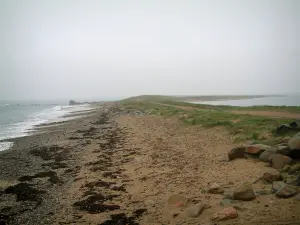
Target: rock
{"x":149,"y":203}
{"x":283,"y":128}
{"x":236,"y":153}
{"x":294,"y":168}
{"x":195,"y":210}
{"x":291,"y":179}
{"x":215,"y":189}
{"x":88,"y":142}
{"x":265,"y":156}
{"x":277,"y":185}
{"x":225,"y":214}
{"x":294,"y":125}
{"x":228,"y":195}
{"x":283,"y":149}
{"x":257,"y":149}
{"x":285,"y":169}
{"x":278,"y":161}
{"x":286,"y":191}
{"x":296,"y":182}
{"x":285,"y":139}
{"x":177,"y":200}
{"x":297,"y":197}
{"x":244,"y":192}
{"x":284,"y":176}
{"x":271,"y":177}
{"x":72,"y":102}
{"x":294,"y":142}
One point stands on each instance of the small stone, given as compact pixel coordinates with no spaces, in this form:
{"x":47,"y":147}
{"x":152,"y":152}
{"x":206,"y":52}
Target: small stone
{"x":88,"y":142}
{"x":284,"y":176}
{"x":228,"y":195}
{"x":177,"y":200}
{"x":294,"y":168}
{"x":195,"y":210}
{"x":287,"y":191}
{"x":271,"y":177}
{"x":285,"y":169}
{"x":149,"y":203}
{"x":285,"y":139}
{"x":266,"y":156}
{"x":284,"y":150}
{"x":279,"y":161}
{"x":277,"y":185}
{"x":297,"y":197}
{"x":291,"y":179}
{"x":244,"y":192}
{"x":236,"y":153}
{"x":225,"y":214}
{"x":215,"y":189}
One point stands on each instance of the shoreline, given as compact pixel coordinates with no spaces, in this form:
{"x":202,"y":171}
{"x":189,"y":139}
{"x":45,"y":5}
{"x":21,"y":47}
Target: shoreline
{"x":126,"y":164}
{"x":39,"y":167}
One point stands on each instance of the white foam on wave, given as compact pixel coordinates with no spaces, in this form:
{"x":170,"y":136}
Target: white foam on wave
{"x":4,"y":105}
{"x":54,"y":114}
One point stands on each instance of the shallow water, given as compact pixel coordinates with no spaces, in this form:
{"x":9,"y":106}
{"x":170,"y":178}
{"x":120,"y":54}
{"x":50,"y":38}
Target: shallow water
{"x":272,"y":101}
{"x":17,"y":119}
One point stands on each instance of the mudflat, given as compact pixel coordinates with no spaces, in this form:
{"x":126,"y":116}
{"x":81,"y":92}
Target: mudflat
{"x":119,"y":166}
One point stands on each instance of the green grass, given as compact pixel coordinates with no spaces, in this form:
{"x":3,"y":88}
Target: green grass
{"x":242,"y":127}
{"x":180,"y":101}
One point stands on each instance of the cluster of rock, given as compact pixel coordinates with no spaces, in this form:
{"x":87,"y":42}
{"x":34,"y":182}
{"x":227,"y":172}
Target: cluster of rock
{"x":283,"y":182}
{"x":283,"y":157}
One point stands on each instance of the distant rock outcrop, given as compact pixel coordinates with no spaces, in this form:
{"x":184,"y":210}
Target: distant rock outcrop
{"x":72,"y":102}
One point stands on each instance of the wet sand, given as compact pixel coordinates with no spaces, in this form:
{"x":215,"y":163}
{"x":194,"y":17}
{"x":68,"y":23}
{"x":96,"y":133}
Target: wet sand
{"x":118,"y":167}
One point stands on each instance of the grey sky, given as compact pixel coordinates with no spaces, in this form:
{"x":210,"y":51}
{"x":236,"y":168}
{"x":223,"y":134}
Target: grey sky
{"x":60,"y":49}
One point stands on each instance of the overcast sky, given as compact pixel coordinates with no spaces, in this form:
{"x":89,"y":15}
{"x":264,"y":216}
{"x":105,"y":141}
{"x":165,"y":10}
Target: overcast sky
{"x":61,"y":49}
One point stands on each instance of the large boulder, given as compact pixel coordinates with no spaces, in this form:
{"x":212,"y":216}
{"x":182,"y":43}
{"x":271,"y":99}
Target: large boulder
{"x":257,"y":149}
{"x":244,"y":192}
{"x":294,"y":142}
{"x":278,"y":161}
{"x":236,"y":153}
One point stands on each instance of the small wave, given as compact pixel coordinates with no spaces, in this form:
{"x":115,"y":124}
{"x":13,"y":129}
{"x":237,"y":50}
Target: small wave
{"x":48,"y":115}
{"x":4,"y":105}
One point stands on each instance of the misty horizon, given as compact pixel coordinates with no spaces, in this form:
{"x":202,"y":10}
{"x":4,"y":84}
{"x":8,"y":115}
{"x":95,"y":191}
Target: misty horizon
{"x":97,"y":50}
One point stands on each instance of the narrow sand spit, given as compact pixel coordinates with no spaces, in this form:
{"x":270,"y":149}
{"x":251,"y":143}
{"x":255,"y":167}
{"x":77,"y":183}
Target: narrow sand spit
{"x":112,"y":167}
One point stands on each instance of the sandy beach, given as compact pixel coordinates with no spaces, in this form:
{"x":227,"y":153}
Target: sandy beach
{"x":116,"y":166}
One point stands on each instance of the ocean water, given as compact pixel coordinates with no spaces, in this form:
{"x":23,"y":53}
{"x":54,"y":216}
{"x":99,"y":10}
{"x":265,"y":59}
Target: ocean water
{"x":293,"y":100}
{"x":17,"y":119}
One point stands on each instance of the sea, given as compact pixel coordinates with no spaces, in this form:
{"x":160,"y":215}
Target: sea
{"x":17,"y":119}
{"x":290,"y":100}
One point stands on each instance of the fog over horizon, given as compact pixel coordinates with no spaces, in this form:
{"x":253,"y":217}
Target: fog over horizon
{"x":94,"y":50}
